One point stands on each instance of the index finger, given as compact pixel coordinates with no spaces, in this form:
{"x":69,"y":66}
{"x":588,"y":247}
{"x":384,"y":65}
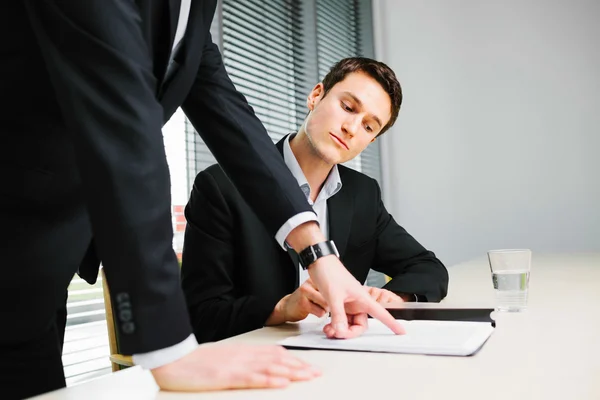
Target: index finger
{"x":377,"y":311}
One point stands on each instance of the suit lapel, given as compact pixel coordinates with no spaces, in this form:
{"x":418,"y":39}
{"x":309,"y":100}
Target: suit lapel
{"x":174,"y":9}
{"x":161,"y":17}
{"x":186,"y":60}
{"x":340,"y":209}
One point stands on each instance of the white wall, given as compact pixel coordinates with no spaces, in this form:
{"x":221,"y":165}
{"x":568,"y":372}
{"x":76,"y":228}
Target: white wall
{"x":498,"y":141}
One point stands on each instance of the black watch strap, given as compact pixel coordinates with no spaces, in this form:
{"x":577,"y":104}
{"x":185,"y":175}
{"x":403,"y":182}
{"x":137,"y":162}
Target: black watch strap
{"x":312,"y":253}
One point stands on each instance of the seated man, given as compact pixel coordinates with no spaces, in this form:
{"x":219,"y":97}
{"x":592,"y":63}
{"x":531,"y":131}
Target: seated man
{"x":232,"y":271}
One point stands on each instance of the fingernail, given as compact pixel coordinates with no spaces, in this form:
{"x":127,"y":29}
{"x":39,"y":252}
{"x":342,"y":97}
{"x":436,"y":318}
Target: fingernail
{"x":303,"y":375}
{"x":276,"y":381}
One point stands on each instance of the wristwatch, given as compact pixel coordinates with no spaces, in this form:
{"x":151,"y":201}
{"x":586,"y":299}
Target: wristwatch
{"x":312,"y":253}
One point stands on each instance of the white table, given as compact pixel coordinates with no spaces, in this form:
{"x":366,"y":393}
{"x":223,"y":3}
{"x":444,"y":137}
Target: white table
{"x":550,"y":351}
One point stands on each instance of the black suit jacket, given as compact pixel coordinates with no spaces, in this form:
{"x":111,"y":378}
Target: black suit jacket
{"x":234,"y":272}
{"x":83,"y":172}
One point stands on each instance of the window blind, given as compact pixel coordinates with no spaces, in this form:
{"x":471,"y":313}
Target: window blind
{"x":85,"y":351}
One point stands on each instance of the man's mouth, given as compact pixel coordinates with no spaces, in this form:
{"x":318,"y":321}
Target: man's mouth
{"x":340,"y":141}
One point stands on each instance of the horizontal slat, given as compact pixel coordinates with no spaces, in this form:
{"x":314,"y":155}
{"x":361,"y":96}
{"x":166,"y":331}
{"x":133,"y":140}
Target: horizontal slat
{"x":253,"y":84}
{"x":81,"y":292}
{"x":282,"y":61}
{"x":84,"y":330}
{"x":278,"y":37}
{"x":340,"y":30}
{"x":234,"y":37}
{"x":273,"y":125}
{"x":264,"y":24}
{"x":338,"y":24}
{"x":85,"y":317}
{"x":275,"y":131}
{"x":261,"y":77}
{"x":91,"y":342}
{"x":264,"y":98}
{"x":87,"y":366}
{"x":335,"y":54}
{"x":274,"y":111}
{"x":249,"y":88}
{"x":85,"y":352}
{"x":276,"y":12}
{"x":78,"y":379}
{"x":280,"y":64}
{"x":82,"y":356}
{"x":340,"y":8}
{"x":84,"y":303}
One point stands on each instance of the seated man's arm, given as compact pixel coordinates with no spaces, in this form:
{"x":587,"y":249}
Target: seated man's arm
{"x":414,"y":270}
{"x":208,"y":268}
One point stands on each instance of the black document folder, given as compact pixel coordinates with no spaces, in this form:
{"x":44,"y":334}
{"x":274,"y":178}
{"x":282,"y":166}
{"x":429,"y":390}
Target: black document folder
{"x":433,"y":312}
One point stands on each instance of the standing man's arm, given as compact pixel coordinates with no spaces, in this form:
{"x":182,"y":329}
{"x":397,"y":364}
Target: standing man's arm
{"x":244,"y":150}
{"x":101,"y":71}
{"x":414,"y":270}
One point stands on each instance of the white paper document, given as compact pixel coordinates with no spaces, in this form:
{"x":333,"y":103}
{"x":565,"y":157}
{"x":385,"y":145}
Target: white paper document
{"x":453,"y":338}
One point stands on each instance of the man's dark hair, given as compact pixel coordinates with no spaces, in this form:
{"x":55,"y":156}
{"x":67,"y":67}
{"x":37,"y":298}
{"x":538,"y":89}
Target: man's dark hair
{"x":376,"y":70}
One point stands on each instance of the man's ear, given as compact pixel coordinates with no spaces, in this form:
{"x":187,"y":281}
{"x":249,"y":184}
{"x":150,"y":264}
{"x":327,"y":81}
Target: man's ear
{"x":315,"y":96}
{"x":372,"y":140}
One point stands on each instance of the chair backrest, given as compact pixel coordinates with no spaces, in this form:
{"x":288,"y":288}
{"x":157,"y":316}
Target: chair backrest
{"x":110,"y":320}
{"x":118,"y":360}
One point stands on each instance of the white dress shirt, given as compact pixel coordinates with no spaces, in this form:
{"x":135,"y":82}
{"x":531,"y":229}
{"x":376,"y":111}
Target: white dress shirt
{"x":155,"y":359}
{"x":332,"y":185}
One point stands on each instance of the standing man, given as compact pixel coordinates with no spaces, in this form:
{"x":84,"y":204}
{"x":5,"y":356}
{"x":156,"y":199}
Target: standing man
{"x":88,"y":86}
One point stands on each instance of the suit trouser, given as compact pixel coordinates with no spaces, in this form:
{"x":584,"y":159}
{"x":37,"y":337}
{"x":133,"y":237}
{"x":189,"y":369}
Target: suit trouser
{"x":32,"y":365}
{"x":39,"y":254}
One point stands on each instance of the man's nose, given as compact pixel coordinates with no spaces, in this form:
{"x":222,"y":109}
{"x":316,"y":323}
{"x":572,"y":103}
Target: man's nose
{"x":351,"y":126}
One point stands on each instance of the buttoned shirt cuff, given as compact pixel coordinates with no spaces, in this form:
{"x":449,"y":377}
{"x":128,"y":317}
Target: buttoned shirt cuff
{"x":292,"y":224}
{"x":158,"y":358}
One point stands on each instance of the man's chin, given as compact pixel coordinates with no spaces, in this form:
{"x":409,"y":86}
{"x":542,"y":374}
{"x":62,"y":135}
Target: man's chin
{"x":331,"y":157}
{"x":330,"y":154}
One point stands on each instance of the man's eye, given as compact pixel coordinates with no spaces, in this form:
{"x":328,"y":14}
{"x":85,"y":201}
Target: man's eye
{"x":346,"y":107}
{"x":368,"y":128}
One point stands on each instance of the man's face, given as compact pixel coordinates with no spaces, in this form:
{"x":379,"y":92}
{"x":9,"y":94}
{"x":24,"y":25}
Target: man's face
{"x":343,"y":123}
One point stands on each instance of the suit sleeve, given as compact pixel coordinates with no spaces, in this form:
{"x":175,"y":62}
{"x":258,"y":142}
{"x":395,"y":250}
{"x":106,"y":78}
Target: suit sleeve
{"x":101,"y":71}
{"x":413,"y":269}
{"x":210,"y":269}
{"x":241,"y":144}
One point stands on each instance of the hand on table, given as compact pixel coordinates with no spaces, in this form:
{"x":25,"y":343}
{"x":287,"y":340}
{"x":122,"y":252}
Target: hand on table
{"x":225,"y":366}
{"x":297,"y":305}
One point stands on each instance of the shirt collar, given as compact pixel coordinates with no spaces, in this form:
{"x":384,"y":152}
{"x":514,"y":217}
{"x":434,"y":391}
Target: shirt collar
{"x":332,"y":185}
